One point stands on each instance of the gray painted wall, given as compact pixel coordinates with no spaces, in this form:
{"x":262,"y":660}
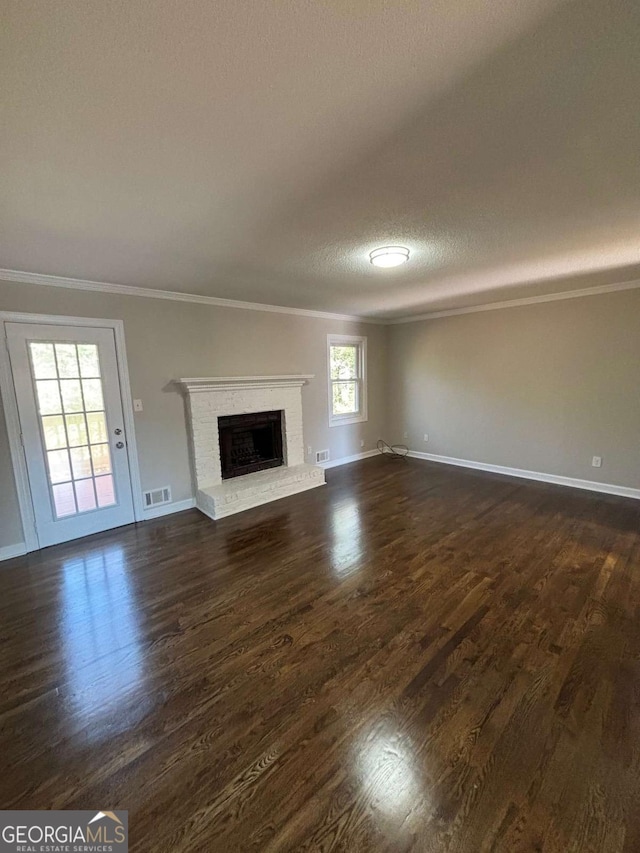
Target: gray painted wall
{"x":541,"y":387}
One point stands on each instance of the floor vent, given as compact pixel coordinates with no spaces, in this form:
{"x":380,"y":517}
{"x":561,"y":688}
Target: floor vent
{"x":322,"y":456}
{"x":157,"y":496}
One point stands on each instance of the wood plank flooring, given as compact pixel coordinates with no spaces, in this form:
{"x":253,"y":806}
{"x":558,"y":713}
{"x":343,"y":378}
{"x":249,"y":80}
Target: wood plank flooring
{"x":413,"y":658}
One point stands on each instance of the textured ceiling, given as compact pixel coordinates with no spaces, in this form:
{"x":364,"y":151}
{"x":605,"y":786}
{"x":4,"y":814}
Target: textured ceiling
{"x":259,"y":149}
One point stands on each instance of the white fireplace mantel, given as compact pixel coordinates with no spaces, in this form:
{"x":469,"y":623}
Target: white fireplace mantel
{"x":234,"y":383}
{"x":210,"y":398}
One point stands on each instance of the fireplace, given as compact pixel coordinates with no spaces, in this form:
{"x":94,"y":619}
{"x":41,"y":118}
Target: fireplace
{"x":250,"y":443}
{"x":274,"y":404}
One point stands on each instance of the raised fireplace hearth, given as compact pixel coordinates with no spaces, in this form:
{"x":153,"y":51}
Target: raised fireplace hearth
{"x":247,"y":441}
{"x":250,"y":443}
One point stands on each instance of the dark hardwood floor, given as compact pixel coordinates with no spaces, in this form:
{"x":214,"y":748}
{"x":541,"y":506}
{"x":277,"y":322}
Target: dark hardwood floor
{"x":415,"y":657}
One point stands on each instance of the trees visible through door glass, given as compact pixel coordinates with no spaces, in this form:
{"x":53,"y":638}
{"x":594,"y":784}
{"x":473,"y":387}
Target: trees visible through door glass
{"x":88,"y":358}
{"x":54,"y":432}
{"x":92,"y":392}
{"x":48,"y":396}
{"x":71,"y":395}
{"x":73,"y":421}
{"x":44,"y":361}
{"x":97,"y":427}
{"x":67,"y":361}
{"x":76,"y":430}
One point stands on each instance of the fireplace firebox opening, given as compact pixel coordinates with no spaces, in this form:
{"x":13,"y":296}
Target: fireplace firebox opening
{"x":250,"y":443}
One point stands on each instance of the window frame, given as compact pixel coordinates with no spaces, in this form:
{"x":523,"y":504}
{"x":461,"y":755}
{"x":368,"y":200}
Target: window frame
{"x":361,"y":415}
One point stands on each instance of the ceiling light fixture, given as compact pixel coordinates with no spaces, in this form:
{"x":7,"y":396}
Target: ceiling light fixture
{"x":389,"y":256}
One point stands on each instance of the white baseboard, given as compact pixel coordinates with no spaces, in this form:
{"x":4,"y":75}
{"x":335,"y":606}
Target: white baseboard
{"x":556,"y":479}
{"x":169,"y":509}
{"x":9,"y":551}
{"x":345,"y":460}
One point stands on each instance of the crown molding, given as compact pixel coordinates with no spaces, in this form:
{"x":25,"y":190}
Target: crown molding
{"x":516,"y":303}
{"x":21,"y":277}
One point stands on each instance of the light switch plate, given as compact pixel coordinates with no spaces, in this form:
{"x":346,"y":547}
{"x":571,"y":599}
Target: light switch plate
{"x":137,"y":405}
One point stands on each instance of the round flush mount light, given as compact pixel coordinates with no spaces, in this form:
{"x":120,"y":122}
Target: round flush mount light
{"x":389,"y":256}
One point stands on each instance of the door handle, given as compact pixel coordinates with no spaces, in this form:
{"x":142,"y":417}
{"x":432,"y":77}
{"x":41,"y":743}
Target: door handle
{"x":119,"y":444}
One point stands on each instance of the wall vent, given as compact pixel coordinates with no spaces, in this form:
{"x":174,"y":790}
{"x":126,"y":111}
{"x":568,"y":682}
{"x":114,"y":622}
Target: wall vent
{"x":322,"y":455}
{"x":157,"y":496}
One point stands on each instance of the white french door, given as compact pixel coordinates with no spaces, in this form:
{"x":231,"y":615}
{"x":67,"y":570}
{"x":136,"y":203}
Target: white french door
{"x":70,"y":410}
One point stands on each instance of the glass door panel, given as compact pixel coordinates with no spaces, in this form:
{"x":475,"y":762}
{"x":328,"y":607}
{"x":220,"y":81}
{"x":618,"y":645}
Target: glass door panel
{"x":73,"y":422}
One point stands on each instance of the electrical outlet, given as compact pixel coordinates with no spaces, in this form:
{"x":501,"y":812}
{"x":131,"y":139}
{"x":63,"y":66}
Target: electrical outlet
{"x":426,"y":436}
{"x":362,"y":442}
{"x":596,"y":462}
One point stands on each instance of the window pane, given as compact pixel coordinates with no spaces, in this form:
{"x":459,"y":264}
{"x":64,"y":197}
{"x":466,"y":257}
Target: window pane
{"x":344,"y":362}
{"x":104,"y":490}
{"x":71,"y":395}
{"x":88,"y":356}
{"x":76,"y":430}
{"x":97,"y":427}
{"x":59,"y":468}
{"x":43,"y":360}
{"x":48,"y":397}
{"x":80,"y":462}
{"x":85,"y":495}
{"x":53,"y":430}
{"x":64,"y":500}
{"x":345,"y":398}
{"x":67,"y":361}
{"x":92,"y":389}
{"x":101,"y":458}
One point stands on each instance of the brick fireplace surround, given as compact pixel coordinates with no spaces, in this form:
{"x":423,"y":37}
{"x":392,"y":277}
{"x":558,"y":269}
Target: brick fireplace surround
{"x":211,"y":398}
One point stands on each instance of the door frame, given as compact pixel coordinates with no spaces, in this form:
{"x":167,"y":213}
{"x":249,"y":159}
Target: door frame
{"x":7,"y":390}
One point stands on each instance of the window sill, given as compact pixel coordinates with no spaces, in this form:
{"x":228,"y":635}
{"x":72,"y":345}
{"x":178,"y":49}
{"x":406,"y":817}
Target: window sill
{"x":344,"y":420}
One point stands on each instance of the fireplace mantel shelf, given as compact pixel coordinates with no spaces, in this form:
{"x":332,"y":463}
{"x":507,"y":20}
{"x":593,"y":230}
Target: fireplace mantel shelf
{"x":220,"y":383}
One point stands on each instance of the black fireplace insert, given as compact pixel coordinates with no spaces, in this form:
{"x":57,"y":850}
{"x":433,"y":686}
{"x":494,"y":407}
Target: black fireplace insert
{"x":250,"y":443}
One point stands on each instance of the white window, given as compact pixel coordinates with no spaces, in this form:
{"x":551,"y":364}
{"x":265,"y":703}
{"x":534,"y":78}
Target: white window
{"x":347,"y":357}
